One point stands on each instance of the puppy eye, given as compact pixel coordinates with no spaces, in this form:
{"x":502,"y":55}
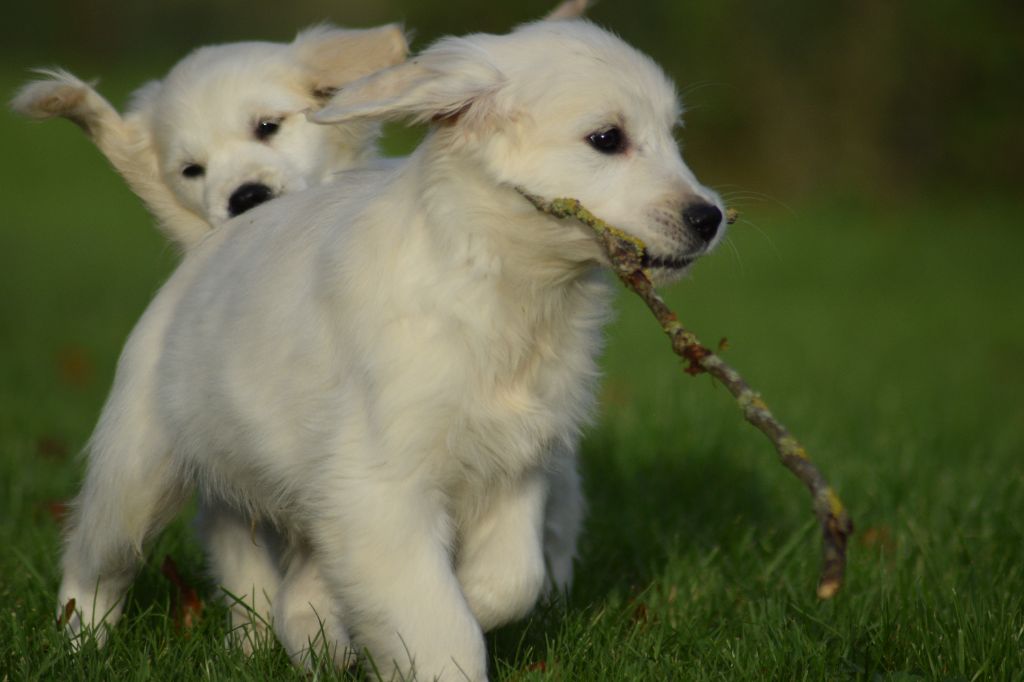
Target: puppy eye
{"x":610,"y":141}
{"x":193,"y":170}
{"x":267,"y":128}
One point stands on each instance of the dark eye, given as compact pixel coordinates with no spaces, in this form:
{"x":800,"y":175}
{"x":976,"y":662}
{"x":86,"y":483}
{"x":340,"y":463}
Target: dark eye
{"x":193,"y":170}
{"x":610,"y":141}
{"x":267,"y":128}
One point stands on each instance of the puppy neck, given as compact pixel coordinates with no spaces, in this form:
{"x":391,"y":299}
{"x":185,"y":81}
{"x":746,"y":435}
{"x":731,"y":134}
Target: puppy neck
{"x":463,"y":202}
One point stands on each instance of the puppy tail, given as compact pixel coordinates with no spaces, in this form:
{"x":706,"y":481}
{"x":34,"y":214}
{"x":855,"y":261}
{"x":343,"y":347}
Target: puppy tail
{"x":570,"y":9}
{"x":61,"y":94}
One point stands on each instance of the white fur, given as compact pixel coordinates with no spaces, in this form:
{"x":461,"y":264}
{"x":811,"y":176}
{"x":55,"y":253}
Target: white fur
{"x":394,"y":369}
{"x":205,"y":112}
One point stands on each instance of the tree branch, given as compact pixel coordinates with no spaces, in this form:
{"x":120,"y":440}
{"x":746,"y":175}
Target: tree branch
{"x":627,"y":257}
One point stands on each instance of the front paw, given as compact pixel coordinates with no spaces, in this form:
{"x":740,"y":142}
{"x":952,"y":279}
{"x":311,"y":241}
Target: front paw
{"x":502,"y":592}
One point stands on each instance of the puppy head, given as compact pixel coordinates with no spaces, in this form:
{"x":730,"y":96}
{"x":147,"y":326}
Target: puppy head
{"x":560,"y":109}
{"x":228,"y":123}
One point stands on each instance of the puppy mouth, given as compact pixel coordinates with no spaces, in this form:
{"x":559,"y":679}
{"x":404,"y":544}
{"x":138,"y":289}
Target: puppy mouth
{"x":668,"y":262}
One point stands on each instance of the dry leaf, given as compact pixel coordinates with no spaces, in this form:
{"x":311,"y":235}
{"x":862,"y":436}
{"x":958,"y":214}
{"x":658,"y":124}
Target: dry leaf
{"x":65,"y":617}
{"x":878,"y":537}
{"x":74,"y":366}
{"x":186,"y":605}
{"x":51,"y":448}
{"x":57,"y":510}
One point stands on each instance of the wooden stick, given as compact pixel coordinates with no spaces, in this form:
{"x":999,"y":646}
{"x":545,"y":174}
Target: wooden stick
{"x":627,"y":256}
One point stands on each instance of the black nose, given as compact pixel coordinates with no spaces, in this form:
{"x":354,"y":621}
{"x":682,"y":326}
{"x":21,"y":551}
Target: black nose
{"x":248,"y":195}
{"x":704,"y":219}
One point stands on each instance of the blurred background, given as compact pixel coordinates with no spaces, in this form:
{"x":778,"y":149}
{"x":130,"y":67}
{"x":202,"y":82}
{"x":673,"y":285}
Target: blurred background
{"x":869,"y":99}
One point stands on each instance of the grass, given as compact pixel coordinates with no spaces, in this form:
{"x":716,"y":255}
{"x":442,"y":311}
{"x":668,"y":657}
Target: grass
{"x":890,"y":341}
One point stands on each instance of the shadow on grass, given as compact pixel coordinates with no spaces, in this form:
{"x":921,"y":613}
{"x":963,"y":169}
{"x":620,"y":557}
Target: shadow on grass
{"x":650,"y":520}
{"x":662,"y":508}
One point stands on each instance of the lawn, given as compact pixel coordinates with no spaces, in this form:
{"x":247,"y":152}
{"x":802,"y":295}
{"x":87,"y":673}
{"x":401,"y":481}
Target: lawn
{"x":890,"y":339}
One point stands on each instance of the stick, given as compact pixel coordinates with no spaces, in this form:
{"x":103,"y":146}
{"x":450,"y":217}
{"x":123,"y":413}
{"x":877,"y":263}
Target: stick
{"x":628,"y":256}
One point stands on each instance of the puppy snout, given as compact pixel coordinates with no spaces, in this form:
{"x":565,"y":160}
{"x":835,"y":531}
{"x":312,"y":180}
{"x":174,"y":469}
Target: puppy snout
{"x":247,"y":196}
{"x":704,"y":219}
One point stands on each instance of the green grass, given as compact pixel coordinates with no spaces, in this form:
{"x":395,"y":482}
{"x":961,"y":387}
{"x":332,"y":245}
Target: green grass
{"x":890,"y":341}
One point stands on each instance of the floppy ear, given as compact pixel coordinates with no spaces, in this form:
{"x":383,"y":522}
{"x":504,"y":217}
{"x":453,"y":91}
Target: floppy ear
{"x":452,"y":77}
{"x":570,"y":9}
{"x":138,"y":162}
{"x":334,"y":56}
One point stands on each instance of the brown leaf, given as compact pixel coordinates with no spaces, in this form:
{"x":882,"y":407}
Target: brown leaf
{"x":879,"y":538}
{"x":51,"y":447}
{"x":186,"y":605}
{"x":723,"y":345}
{"x":74,"y":366}
{"x":615,"y":394}
{"x":57,"y":510}
{"x":65,"y":617}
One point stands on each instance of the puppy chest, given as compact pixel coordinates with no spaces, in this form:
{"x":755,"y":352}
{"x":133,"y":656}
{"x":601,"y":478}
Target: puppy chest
{"x":507,"y":424}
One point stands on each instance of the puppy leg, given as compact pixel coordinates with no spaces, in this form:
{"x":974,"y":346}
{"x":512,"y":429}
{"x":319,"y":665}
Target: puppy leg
{"x":386,"y":555}
{"x":500,"y":561}
{"x":306,"y":618}
{"x":244,"y":561}
{"x":131,"y":490}
{"x":563,"y":519}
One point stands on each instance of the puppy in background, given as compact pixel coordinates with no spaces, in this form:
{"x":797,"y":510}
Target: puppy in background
{"x":226,"y":129}
{"x":223,"y":132}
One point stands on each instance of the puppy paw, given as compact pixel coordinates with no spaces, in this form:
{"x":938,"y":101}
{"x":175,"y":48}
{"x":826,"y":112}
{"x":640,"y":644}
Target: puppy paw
{"x":248,"y":632}
{"x":498,"y":595}
{"x":309,"y":638}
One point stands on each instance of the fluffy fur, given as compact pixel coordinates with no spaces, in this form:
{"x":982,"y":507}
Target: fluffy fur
{"x":394,"y":369}
{"x":226,"y":129}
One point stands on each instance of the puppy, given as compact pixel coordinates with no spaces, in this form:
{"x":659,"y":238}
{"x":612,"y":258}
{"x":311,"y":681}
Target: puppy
{"x":388,"y":367}
{"x":220,"y":83}
{"x":226,"y":130}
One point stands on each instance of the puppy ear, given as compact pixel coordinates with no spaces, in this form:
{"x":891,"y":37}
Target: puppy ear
{"x":334,"y":56}
{"x":453,"y":77}
{"x":136,"y":158}
{"x":570,"y":9}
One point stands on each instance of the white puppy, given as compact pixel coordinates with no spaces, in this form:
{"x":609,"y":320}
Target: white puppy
{"x":226,"y":129}
{"x":237,"y":108}
{"x":388,"y":367}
